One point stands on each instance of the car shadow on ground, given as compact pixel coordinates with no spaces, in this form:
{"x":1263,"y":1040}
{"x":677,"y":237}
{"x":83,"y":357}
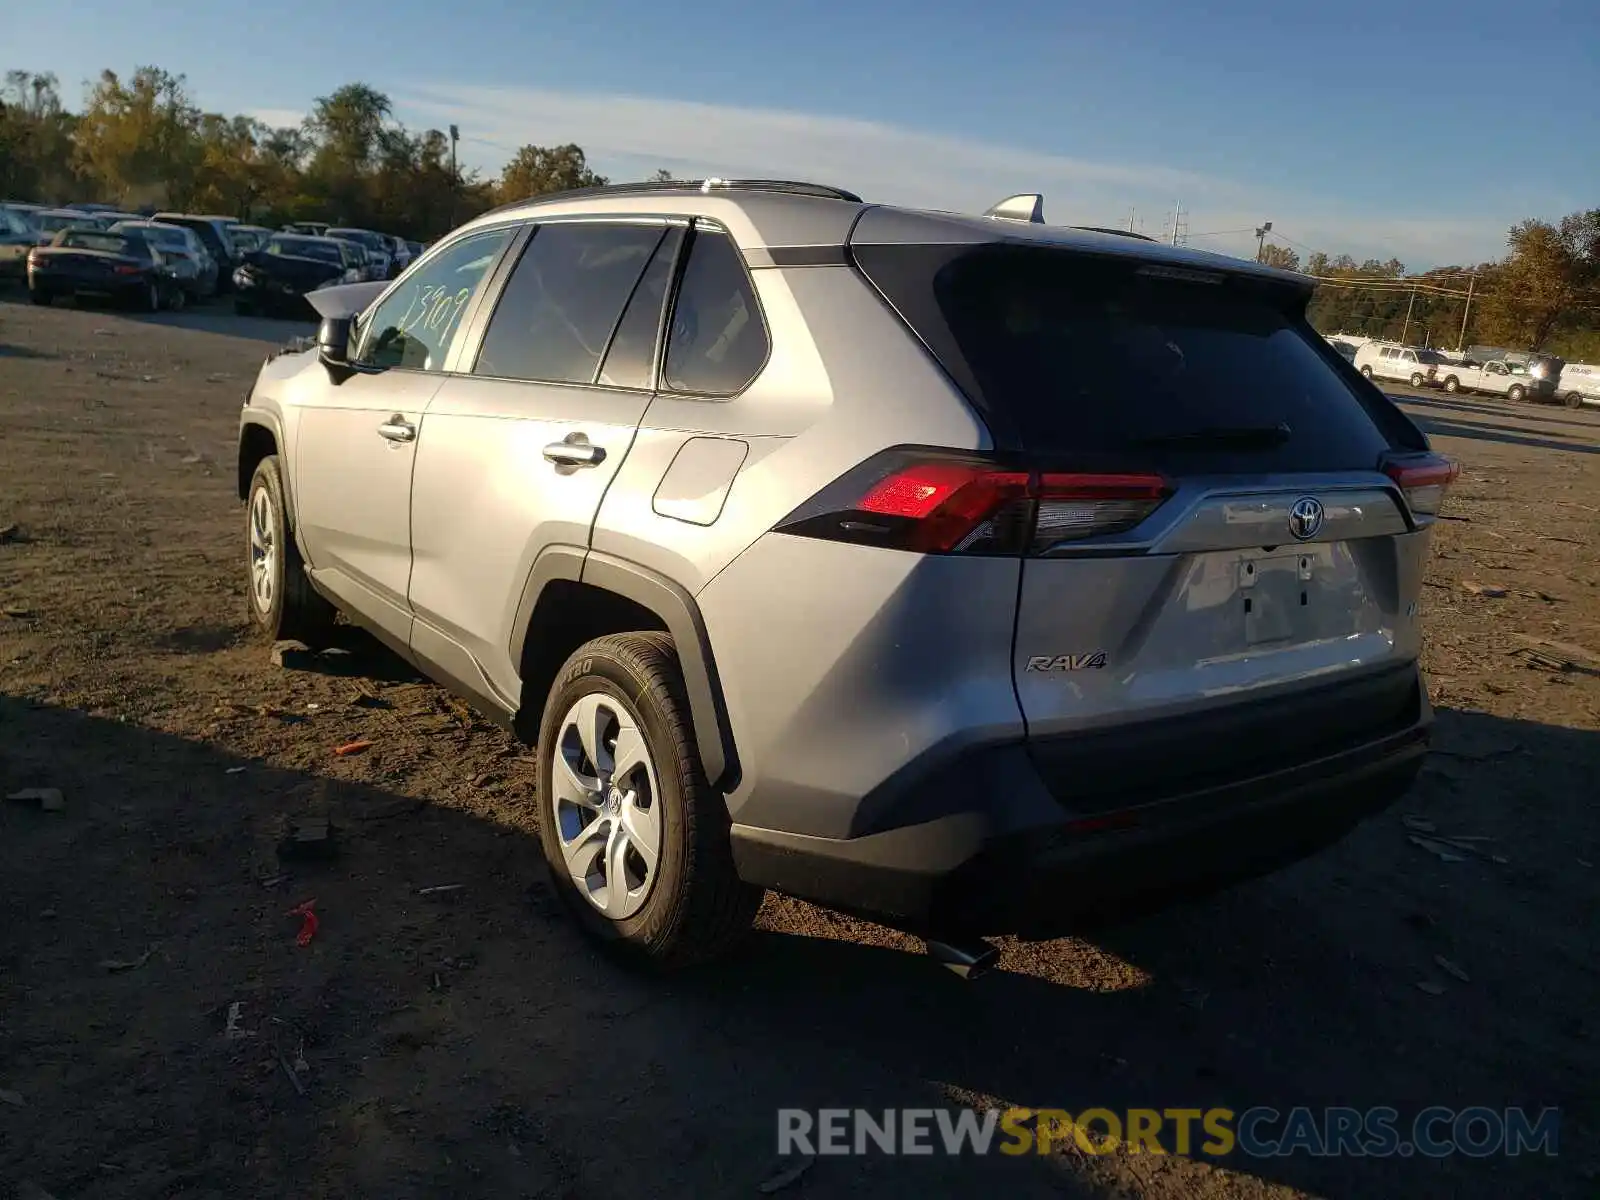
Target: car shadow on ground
{"x":1522,"y":412}
{"x":218,"y":317}
{"x":169,"y":1037}
{"x":1506,"y":434}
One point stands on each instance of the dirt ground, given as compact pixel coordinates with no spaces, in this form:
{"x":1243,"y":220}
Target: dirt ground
{"x":466,"y":1043}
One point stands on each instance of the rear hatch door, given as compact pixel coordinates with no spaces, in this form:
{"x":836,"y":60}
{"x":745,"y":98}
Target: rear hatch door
{"x":1214,"y":525}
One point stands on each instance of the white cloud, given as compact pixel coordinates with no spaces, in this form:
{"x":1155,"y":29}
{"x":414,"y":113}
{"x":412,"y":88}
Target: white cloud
{"x":277,"y":117}
{"x":632,"y":135}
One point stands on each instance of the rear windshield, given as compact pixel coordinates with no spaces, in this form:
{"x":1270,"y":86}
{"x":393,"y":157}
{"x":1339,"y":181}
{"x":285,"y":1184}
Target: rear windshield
{"x":1100,"y":359}
{"x":110,"y":243}
{"x":302,"y":247}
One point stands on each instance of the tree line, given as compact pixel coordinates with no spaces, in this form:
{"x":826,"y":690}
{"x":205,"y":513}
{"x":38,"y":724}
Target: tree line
{"x":142,"y":141}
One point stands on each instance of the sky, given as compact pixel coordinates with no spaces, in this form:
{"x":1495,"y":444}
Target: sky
{"x":1419,"y":129}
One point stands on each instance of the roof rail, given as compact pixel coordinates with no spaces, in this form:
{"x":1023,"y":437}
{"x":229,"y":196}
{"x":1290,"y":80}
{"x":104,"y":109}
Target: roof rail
{"x":645,"y":187}
{"x":1143,"y":237}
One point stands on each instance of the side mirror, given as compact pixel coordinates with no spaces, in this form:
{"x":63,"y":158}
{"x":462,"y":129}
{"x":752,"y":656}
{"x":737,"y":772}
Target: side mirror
{"x":333,"y":347}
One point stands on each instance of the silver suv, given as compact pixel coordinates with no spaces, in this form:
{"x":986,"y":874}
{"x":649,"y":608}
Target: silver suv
{"x":969,"y":573}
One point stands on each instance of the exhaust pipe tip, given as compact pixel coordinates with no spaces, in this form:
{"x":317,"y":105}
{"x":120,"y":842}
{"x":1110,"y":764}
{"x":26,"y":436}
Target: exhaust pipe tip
{"x":968,"y":960}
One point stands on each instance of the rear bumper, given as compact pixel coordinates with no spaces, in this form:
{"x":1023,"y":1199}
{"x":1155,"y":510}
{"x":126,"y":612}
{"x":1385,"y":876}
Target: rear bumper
{"x":1006,"y":854}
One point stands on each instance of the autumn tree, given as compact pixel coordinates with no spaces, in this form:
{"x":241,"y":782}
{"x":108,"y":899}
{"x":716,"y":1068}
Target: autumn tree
{"x":1550,"y":271}
{"x":1281,"y":257}
{"x":137,"y":140}
{"x":540,"y":170}
{"x":36,"y":153}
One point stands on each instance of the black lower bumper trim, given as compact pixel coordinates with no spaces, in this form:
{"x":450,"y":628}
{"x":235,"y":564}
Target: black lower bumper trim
{"x":959,"y":873}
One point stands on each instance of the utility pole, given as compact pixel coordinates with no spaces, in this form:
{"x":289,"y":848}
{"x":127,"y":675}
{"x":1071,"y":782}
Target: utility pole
{"x":1177,"y":212}
{"x":455,"y":135}
{"x":1406,"y":328}
{"x":1261,"y":239}
{"x":1130,"y":220}
{"x":1461,"y":342}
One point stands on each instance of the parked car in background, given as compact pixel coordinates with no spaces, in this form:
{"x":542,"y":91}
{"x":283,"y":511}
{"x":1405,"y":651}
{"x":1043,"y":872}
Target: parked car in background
{"x":399,"y":253}
{"x":213,"y":235}
{"x":1580,"y":384}
{"x":416,"y":249}
{"x":358,"y":256}
{"x":1497,"y":378}
{"x":18,"y":235}
{"x":1543,"y":371}
{"x":275,"y":279}
{"x":1390,"y":360}
{"x":1345,"y":350}
{"x":381,"y":261}
{"x":309,"y":228}
{"x":195,"y":270}
{"x":51,"y":221}
{"x":121,"y":267}
{"x":247,"y":238}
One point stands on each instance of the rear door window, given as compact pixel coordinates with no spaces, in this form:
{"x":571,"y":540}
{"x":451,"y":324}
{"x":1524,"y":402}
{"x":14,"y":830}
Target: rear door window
{"x":631,"y":361}
{"x":1112,"y":360}
{"x":564,"y":298}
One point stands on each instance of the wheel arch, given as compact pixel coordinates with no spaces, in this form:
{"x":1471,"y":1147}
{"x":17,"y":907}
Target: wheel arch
{"x":261,"y":435}
{"x":574,"y":595}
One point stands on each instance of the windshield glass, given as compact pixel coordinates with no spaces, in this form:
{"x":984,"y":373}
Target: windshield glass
{"x":166,"y":238}
{"x":371,"y":241}
{"x":111,"y":243}
{"x":303,"y":247}
{"x":53,"y":222}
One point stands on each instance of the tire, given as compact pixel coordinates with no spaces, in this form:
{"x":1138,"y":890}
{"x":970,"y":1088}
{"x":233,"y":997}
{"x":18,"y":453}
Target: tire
{"x":1452,"y":385}
{"x":283,"y":604}
{"x":1517,"y":393}
{"x":149,"y":300}
{"x":1417,"y":379}
{"x":1367,"y":372}
{"x":40,"y":296}
{"x":176,"y":299}
{"x":1574,"y":400}
{"x":692,"y":906}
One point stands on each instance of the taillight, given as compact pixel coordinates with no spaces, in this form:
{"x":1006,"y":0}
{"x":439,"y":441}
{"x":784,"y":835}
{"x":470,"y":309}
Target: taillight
{"x":935,"y":503}
{"x":125,"y":269}
{"x":1423,"y":478}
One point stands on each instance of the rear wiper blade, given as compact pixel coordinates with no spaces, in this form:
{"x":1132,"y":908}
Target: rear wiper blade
{"x":1225,"y":437}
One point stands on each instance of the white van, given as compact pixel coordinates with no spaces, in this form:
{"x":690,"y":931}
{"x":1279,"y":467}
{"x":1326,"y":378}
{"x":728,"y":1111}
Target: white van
{"x":1390,"y":360}
{"x":1579,"y":385}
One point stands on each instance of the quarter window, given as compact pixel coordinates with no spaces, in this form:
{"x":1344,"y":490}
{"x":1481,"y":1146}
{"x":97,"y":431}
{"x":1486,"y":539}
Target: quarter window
{"x":563,"y":300}
{"x":416,"y":323}
{"x":717,"y":342}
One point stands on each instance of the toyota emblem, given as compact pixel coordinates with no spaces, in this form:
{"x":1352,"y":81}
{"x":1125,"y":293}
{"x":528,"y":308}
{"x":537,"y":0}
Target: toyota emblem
{"x":1305,"y":517}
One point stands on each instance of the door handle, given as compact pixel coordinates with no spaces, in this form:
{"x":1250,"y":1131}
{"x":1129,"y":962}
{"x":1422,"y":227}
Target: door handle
{"x":398,"y":429}
{"x":575,"y":453}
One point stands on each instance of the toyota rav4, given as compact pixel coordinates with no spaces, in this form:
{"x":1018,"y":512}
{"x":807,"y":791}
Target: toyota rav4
{"x":969,"y":573}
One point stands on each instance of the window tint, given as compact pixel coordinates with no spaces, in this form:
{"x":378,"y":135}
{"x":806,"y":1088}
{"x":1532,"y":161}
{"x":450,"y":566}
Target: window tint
{"x":414,"y":325}
{"x":1093,"y":360}
{"x":632,"y":357}
{"x":717,"y":342}
{"x":563,"y":300}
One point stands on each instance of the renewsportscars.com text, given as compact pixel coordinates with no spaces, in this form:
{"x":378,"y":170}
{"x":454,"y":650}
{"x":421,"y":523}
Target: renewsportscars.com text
{"x":1260,"y":1132}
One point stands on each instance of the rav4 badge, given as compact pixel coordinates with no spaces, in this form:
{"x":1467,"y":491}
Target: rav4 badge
{"x":1068,"y":662}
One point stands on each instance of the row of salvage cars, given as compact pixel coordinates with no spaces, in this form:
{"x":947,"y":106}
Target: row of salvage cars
{"x":170,"y":259}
